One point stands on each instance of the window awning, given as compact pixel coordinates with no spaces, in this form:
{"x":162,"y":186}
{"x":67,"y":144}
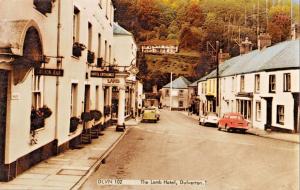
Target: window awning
{"x":21,"y":45}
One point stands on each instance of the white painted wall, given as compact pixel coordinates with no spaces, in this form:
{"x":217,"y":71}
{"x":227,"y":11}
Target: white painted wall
{"x":75,"y":69}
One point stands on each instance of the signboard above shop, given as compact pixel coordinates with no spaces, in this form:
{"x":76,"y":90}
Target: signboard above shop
{"x":49,"y":72}
{"x":102,"y":74}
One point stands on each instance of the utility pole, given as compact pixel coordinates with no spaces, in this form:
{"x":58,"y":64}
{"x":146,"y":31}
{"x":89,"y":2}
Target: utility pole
{"x":171,"y":90}
{"x":217,"y":60}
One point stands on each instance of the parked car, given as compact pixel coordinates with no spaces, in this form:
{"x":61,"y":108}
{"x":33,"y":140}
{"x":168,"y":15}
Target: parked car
{"x":209,"y":118}
{"x":233,"y":121}
{"x":150,"y":115}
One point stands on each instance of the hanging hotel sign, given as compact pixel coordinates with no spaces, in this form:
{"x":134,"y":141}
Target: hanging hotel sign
{"x":102,"y":74}
{"x":49,"y":72}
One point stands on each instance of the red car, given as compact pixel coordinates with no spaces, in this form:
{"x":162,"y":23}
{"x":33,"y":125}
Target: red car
{"x":233,"y":121}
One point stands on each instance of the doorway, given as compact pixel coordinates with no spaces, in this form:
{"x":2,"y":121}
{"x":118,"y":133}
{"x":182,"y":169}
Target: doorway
{"x":268,"y":124}
{"x":3,"y":108}
{"x":86,"y":106}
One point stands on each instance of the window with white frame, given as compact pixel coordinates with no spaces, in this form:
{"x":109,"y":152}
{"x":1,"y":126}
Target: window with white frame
{"x":232,"y":84}
{"x":111,"y":13}
{"x":224,"y":85}
{"x":257,"y":83}
{"x":90,"y":36}
{"x":286,"y":82}
{"x":180,"y":104}
{"x":258,"y":111}
{"x":106,"y":8}
{"x":37,"y":100}
{"x":99,"y":45}
{"x":272,"y":83}
{"x":105,"y":52}
{"x":109,"y":54}
{"x":74,"y":94}
{"x":167,"y":93}
{"x":180,"y":93}
{"x":76,"y":25}
{"x":280,"y":114}
{"x":242,"y":83}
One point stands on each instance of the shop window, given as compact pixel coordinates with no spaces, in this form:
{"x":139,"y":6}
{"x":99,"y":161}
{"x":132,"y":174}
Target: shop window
{"x":76,"y":25}
{"x":280,"y":114}
{"x":258,"y":111}
{"x":286,"y":82}
{"x":97,"y":97}
{"x":74,"y":92}
{"x":257,"y":83}
{"x":272,"y":83}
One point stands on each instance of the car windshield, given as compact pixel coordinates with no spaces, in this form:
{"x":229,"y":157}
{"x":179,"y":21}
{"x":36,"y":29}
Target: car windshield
{"x":235,"y":117}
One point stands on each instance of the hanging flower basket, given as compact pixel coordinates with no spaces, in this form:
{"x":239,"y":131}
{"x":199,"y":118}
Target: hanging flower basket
{"x":77,"y":49}
{"x":86,"y":117}
{"x":38,"y":117}
{"x":90,"y":57}
{"x":96,"y":114}
{"x":74,"y":122}
{"x":46,"y":111}
{"x":44,"y":6}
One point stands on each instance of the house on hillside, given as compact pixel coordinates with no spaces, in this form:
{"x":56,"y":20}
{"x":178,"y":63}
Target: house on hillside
{"x":178,"y":97}
{"x":157,"y":46}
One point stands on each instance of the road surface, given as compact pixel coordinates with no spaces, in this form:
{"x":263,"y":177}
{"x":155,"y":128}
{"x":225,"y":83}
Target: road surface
{"x":178,"y":148}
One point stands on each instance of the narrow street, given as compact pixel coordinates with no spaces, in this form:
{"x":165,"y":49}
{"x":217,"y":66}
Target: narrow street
{"x":177,"y":147}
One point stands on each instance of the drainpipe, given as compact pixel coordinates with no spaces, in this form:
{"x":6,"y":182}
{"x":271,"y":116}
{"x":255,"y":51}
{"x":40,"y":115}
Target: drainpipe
{"x":58,"y":63}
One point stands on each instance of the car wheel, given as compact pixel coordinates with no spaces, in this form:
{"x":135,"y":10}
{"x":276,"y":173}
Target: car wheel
{"x":227,"y":129}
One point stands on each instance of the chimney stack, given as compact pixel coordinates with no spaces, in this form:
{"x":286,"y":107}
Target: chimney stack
{"x":223,"y":56}
{"x":246,"y":46}
{"x":295,"y":31}
{"x":264,"y":40}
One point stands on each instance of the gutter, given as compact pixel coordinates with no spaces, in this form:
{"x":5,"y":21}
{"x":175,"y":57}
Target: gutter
{"x":58,"y":64}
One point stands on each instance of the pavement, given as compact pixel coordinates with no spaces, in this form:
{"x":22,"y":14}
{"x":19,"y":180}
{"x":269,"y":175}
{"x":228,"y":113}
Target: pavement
{"x":294,"y":138}
{"x":70,"y":169}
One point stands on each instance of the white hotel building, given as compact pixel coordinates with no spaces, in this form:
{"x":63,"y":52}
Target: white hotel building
{"x":56,"y":55}
{"x":263,"y":85}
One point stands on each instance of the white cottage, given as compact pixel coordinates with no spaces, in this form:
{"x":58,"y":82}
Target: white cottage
{"x":263,"y":85}
{"x":177,"y":95}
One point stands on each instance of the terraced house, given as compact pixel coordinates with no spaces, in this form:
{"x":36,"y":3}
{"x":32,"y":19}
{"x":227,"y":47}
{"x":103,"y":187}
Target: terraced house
{"x":57,"y":73}
{"x":262,"y":85}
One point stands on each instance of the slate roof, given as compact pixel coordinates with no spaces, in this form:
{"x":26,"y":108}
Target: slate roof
{"x":179,"y":83}
{"x":194,"y":84}
{"x":280,"y":56}
{"x":119,"y":30}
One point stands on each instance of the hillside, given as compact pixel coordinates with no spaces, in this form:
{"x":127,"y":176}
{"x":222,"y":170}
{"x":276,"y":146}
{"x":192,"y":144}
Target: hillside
{"x":156,"y":69}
